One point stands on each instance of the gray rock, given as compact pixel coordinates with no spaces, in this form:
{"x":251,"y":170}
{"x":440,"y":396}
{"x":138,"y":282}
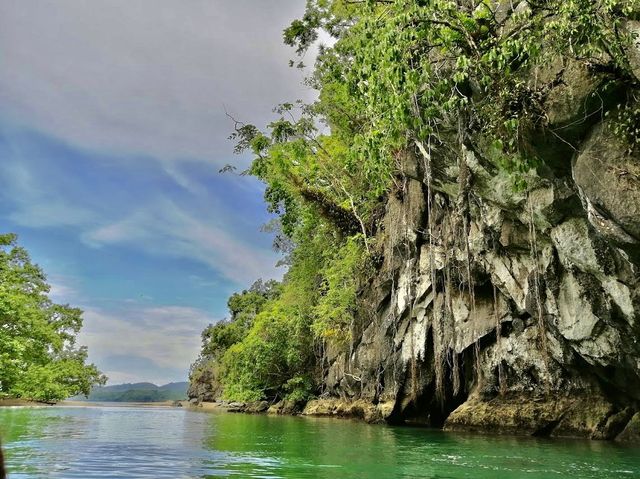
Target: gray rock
{"x":609,"y":178}
{"x":631,"y":432}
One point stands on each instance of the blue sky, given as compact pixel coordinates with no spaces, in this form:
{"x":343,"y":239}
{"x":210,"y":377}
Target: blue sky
{"x":112,"y":132}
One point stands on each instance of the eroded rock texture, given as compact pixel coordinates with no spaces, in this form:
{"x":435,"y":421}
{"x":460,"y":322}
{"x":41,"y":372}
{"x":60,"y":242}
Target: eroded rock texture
{"x":506,"y":310}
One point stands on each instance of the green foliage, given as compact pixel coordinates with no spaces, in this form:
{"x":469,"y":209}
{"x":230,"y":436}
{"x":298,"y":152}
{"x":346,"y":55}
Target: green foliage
{"x":244,"y":307}
{"x":38,"y":356}
{"x":274,"y":352}
{"x":220,"y":341}
{"x":336,"y":307}
{"x":402,"y":76}
{"x":407,"y":71}
{"x":273,"y":355}
{"x":275,"y":359}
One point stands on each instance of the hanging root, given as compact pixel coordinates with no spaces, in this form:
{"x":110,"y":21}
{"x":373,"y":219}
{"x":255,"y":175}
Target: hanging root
{"x":502,"y":385}
{"x":414,"y":368}
{"x":456,"y":374}
{"x":448,"y":288}
{"x":472,"y":297}
{"x":536,"y":274}
{"x":542,"y":330}
{"x":439,"y":358}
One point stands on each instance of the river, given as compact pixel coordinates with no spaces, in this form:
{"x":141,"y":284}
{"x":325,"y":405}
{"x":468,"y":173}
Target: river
{"x":138,"y":442}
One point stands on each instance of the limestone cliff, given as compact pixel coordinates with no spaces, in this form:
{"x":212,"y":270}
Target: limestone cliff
{"x":500,"y":309}
{"x":507,"y":307}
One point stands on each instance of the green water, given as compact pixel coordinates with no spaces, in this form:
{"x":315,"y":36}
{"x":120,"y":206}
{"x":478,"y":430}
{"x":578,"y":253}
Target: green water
{"x":133,"y":442}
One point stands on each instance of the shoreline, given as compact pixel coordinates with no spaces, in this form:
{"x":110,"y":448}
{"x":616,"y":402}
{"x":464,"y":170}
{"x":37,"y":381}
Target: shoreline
{"x":158,"y":404}
{"x":336,"y":409}
{"x":203,"y":406}
{"x":360,"y":410}
{"x":20,"y":402}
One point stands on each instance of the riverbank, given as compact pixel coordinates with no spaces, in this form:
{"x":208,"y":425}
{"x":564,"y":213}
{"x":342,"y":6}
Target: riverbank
{"x":203,"y":405}
{"x":19,"y":402}
{"x":509,"y":419}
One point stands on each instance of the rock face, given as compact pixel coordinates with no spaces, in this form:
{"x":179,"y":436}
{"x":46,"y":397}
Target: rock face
{"x":502,"y":310}
{"x":608,"y":180}
{"x":204,"y":385}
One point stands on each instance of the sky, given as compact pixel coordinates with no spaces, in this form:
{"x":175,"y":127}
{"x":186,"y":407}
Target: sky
{"x":113,"y":129}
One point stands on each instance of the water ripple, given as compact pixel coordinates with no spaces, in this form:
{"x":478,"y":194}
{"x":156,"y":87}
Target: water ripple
{"x":134,"y":442}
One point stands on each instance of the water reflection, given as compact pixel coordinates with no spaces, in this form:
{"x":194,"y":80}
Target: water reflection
{"x":112,"y":442}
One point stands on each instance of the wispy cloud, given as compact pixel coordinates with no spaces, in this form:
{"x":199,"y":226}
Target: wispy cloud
{"x":138,"y":211}
{"x":35,"y":206}
{"x":168,"y":230}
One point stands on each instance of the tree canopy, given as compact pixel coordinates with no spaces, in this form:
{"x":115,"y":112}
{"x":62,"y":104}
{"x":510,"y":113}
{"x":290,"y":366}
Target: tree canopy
{"x":39,"y":358}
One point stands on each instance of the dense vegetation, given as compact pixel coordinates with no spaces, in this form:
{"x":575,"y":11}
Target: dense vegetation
{"x":403,"y":77}
{"x":38,"y":356}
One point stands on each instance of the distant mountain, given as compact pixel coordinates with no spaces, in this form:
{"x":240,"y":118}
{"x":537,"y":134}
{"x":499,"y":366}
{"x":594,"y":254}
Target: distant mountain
{"x":137,"y":392}
{"x":175,"y":387}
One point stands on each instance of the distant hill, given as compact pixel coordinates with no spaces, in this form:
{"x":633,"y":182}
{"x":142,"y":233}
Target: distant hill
{"x":137,"y":392}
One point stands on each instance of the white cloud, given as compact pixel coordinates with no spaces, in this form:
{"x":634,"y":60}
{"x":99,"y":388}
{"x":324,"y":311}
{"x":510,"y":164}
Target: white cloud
{"x":157,"y":226}
{"x":124,"y":377}
{"x":167,"y":336}
{"x":148,"y":77}
{"x":43,"y":213}
{"x":60,"y":291}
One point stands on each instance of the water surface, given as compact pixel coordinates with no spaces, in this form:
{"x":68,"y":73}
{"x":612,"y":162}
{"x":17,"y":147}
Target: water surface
{"x":137,"y":442}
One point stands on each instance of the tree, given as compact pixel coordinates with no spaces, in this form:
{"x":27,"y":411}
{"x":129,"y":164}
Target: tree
{"x":38,"y":355}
